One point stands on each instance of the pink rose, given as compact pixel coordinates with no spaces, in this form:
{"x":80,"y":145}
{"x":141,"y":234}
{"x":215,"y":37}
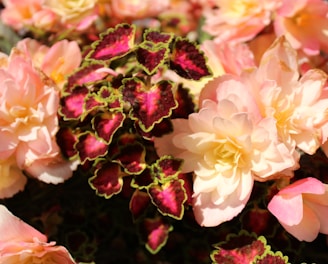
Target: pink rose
{"x":21,"y":243}
{"x":302,"y":208}
{"x":304,"y":23}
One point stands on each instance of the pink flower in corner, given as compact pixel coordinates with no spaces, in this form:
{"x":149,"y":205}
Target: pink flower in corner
{"x":19,"y":14}
{"x":302,"y":208}
{"x":304,"y":23}
{"x":226,"y":144}
{"x":21,"y":243}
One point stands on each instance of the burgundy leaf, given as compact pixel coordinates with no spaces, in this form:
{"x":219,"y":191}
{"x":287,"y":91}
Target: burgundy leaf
{"x":72,"y":105}
{"x":188,"y":61}
{"x":107,"y":180}
{"x":106,"y":124}
{"x":169,"y":198}
{"x":149,"y":107}
{"x":151,"y":57}
{"x":187,"y":185}
{"x":86,"y":74}
{"x":91,"y":104}
{"x":272,"y":258}
{"x":157,"y":37}
{"x":143,"y":180}
{"x":160,"y":129}
{"x":116,"y":42}
{"x":139,"y":203}
{"x":66,"y":140}
{"x":242,"y":248}
{"x":90,"y":147}
{"x":186,"y":104}
{"x":155,"y":232}
{"x":132,"y":158}
{"x":167,"y":168}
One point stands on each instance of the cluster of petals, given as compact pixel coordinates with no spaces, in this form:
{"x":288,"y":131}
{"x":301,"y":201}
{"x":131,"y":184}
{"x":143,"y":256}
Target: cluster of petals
{"x":56,"y":61}
{"x":21,"y":243}
{"x":138,"y":9}
{"x":302,"y":208}
{"x":28,"y":125}
{"x":226,"y":144}
{"x":304,"y":23}
{"x":238,"y":20}
{"x":249,"y":127}
{"x":299,"y":104}
{"x":49,"y":15}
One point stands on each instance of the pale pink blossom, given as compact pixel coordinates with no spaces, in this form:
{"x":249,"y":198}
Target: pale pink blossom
{"x":238,"y":20}
{"x":226,"y":144}
{"x":23,"y":14}
{"x":304,"y":23}
{"x":12,"y":179}
{"x":21,"y":243}
{"x":57,"y":61}
{"x":137,"y":9}
{"x":302,"y":208}
{"x":28,"y":121}
{"x":299,"y":104}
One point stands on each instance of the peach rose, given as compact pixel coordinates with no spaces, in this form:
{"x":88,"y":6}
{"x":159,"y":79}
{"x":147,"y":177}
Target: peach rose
{"x":76,"y":13}
{"x":21,"y":243}
{"x":236,"y":20}
{"x":21,"y":14}
{"x":57,"y":61}
{"x":226,"y":144}
{"x":12,"y":179}
{"x":28,"y":121}
{"x":302,"y":208}
{"x":138,"y":8}
{"x":298,"y":104}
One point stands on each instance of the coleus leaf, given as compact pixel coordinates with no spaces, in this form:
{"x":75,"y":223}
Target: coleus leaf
{"x":144,"y":179}
{"x":132,"y":158}
{"x":66,"y":140}
{"x":186,"y":104}
{"x":90,"y":147}
{"x":188,"y":61}
{"x":151,"y":57}
{"x":167,"y":168}
{"x":114,"y":43}
{"x":160,"y":129}
{"x":187,"y":185}
{"x":157,"y":37}
{"x":72,"y":105}
{"x":138,"y":203}
{"x":242,"y":248}
{"x":107,"y":123}
{"x":148,"y":106}
{"x":107,"y":180}
{"x":272,"y":258}
{"x":169,"y":198}
{"x":155,"y":233}
{"x":86,"y":74}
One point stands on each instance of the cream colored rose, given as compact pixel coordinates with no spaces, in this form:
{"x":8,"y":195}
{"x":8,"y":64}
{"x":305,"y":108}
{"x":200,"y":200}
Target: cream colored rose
{"x":71,"y":10}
